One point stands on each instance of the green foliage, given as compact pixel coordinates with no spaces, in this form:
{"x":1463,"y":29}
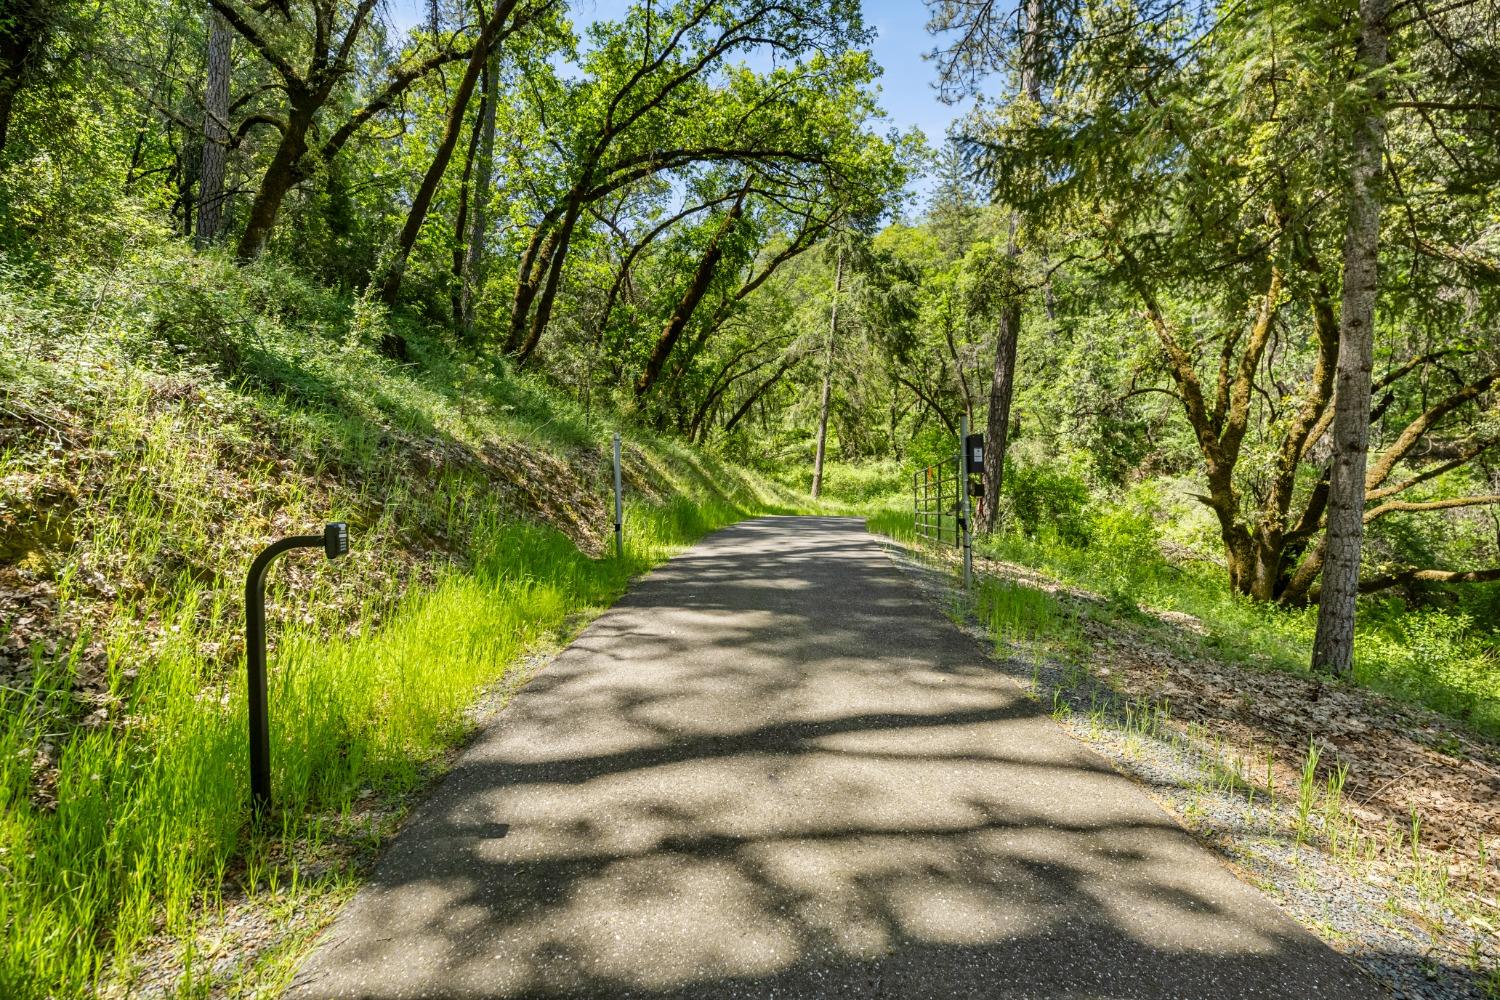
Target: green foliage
{"x":1428,"y":656}
{"x":1432,"y":656}
{"x":1124,"y":535}
{"x":206,"y":408}
{"x":146,"y":822}
{"x":1172,"y":178}
{"x":893,"y":522}
{"x":1016,"y":613}
{"x":862,"y":486}
{"x":1043,"y":501}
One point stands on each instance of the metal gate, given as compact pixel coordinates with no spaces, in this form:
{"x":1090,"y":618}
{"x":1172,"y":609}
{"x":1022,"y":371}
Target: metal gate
{"x":940,"y":497}
{"x":936,"y":495}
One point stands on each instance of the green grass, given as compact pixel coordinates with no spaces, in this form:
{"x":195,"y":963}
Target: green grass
{"x":162,"y":420}
{"x":854,"y":487}
{"x":1425,"y":656}
{"x":1016,"y":613}
{"x":891,"y":522}
{"x":146,"y":824}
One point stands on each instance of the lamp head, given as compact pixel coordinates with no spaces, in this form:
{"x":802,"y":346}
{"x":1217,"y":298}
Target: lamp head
{"x":336,"y":539}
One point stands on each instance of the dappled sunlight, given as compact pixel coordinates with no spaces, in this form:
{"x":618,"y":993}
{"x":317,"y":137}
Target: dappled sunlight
{"x":728,"y":786}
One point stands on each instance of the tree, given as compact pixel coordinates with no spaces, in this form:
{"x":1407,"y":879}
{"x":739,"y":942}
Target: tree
{"x":502,"y":22}
{"x":326,"y":50}
{"x":215,"y":131}
{"x":470,"y":272}
{"x":1192,"y":192}
{"x":985,"y":45}
{"x":827,"y":393}
{"x":660,"y":98}
{"x":953,"y":209}
{"x":697,"y":286}
{"x":1333,"y":646}
{"x":26,"y":26}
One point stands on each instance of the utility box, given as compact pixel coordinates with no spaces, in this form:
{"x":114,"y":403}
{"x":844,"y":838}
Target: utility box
{"x":974,"y":453}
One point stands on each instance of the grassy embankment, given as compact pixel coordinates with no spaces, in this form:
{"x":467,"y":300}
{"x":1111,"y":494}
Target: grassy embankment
{"x":161,"y":420}
{"x":1432,"y":656}
{"x":1207,"y":697}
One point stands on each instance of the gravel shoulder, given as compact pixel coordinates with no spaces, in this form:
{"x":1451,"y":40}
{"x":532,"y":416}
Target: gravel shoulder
{"x":1224,"y":749}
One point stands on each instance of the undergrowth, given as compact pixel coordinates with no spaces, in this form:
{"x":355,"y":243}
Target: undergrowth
{"x":1290,"y":817}
{"x":1427,"y":656}
{"x":1441,"y":658}
{"x":161,"y":419}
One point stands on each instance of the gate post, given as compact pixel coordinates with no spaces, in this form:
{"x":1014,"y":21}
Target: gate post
{"x":916,"y":508}
{"x":963,"y":492}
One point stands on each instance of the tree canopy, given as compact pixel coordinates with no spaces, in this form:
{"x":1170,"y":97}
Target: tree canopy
{"x":1132,"y":258}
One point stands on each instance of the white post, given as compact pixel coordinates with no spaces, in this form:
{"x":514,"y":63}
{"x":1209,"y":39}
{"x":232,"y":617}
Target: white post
{"x":963,"y":491}
{"x":619,"y":506}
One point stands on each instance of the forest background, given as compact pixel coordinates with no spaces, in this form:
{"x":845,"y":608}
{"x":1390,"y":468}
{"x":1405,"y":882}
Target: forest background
{"x":1219,"y":281}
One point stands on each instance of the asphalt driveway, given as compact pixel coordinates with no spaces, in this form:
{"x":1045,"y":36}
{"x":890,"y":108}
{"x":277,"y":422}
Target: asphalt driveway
{"x":774,"y":770}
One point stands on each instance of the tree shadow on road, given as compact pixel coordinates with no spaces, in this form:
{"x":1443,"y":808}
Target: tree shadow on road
{"x":773,"y":771}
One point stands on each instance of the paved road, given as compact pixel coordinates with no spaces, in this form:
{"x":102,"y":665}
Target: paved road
{"x":774,"y":770}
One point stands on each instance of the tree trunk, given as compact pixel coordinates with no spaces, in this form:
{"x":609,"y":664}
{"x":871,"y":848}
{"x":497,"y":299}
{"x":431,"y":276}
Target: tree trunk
{"x":1003,"y":378}
{"x":215,"y":132}
{"x":688,"y":304}
{"x":281,"y":176}
{"x":461,"y":218}
{"x":533,"y":264}
{"x":1333,"y":645}
{"x":7,"y":102}
{"x":25,"y":29}
{"x":407,"y":239}
{"x":1002,"y":387}
{"x":557,"y":256}
{"x":473,"y":273}
{"x":758,"y":392}
{"x":827,"y":396}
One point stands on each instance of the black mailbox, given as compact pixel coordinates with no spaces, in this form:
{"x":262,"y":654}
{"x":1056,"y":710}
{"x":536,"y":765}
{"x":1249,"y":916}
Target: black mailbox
{"x":974,"y":453}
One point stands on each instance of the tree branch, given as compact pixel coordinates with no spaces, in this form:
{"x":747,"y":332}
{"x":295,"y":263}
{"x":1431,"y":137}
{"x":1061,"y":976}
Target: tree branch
{"x":1391,"y":506}
{"x":1428,"y":576}
{"x":258,"y":42}
{"x":1414,"y":431}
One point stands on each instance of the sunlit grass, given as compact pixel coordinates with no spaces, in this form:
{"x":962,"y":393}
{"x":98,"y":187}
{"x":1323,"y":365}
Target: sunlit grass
{"x":1015,"y":612}
{"x":163,"y":470}
{"x":893,"y":523}
{"x":1425,"y":656}
{"x":148,"y":819}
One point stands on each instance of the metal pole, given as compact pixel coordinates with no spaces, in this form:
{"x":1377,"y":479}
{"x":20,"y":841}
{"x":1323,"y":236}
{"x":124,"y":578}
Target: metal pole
{"x":335,"y":542}
{"x":924,"y":504}
{"x":963,"y":490}
{"x":940,"y":507}
{"x":619,"y":506}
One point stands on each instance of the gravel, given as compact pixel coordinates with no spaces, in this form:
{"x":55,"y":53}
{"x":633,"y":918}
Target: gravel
{"x":1416,"y":947}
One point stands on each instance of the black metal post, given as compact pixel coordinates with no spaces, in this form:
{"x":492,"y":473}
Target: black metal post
{"x":619,"y":505}
{"x":335,"y":542}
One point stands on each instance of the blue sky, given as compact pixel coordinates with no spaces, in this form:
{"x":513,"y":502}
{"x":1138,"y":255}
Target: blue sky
{"x":901,"y":41}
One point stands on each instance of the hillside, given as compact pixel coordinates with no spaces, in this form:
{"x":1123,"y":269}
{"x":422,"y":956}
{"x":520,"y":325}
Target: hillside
{"x":1213,"y":293}
{"x":162,"y":422}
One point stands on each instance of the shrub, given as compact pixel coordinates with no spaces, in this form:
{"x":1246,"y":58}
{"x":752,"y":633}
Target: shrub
{"x":864,"y":484}
{"x":1040,"y":501}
